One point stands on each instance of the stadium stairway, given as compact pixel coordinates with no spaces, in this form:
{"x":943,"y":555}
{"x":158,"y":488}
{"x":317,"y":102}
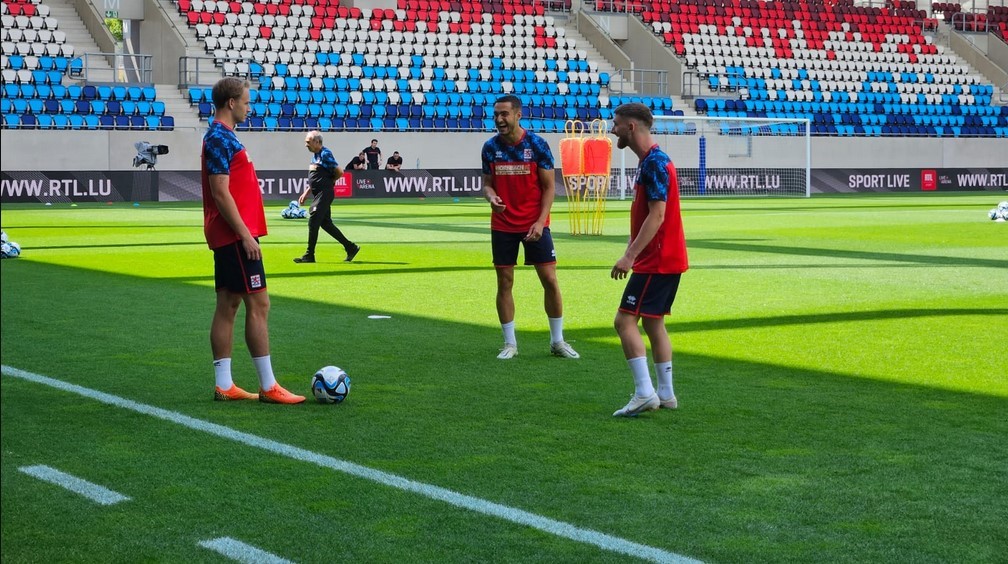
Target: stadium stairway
{"x":77,"y":35}
{"x":177,"y":105}
{"x":942,"y":35}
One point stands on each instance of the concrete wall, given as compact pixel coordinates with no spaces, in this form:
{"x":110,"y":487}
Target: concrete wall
{"x":649,"y":52}
{"x":113,"y":150}
{"x":160,"y":37}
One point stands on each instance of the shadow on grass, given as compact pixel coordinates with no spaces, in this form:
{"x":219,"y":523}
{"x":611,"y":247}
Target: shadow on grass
{"x":759,"y":459}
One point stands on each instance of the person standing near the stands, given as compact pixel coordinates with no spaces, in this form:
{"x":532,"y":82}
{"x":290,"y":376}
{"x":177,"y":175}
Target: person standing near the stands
{"x":519,"y":183}
{"x":233,"y":221}
{"x":323,"y":172}
{"x":373,"y":154}
{"x":657,"y":256}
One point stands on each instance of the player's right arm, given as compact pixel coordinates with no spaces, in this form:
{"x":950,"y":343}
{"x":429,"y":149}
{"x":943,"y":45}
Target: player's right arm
{"x":219,"y":189}
{"x":496,"y":203}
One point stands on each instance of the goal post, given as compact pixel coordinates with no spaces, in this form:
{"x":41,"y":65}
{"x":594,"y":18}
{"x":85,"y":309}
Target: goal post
{"x":728,"y":156}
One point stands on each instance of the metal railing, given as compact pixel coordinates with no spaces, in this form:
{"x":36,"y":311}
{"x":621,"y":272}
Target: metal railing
{"x":653,"y":82}
{"x":616,"y":6}
{"x":114,"y":68}
{"x":205,"y":70}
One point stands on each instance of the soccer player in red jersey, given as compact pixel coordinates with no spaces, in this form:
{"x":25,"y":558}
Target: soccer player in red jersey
{"x":656,"y":254}
{"x":519,"y":183}
{"x":233,"y":221}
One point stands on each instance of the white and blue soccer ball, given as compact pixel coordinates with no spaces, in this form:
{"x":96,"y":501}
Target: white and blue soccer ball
{"x":15,"y":250}
{"x":1000,"y":213}
{"x":3,"y":237}
{"x":5,"y":250}
{"x":330,"y":385}
{"x":294,"y":211}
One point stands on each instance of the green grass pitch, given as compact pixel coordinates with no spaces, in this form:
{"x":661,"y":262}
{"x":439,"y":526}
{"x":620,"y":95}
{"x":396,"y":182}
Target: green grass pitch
{"x":841,"y":365}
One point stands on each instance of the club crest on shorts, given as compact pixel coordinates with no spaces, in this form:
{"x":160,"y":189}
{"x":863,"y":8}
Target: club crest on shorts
{"x":255,"y":281}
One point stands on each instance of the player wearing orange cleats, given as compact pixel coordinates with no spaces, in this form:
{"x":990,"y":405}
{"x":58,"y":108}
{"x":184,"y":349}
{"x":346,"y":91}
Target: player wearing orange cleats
{"x":233,"y":393}
{"x":233,"y":222}
{"x":277,"y":394}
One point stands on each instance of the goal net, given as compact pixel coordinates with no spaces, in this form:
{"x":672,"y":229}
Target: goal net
{"x":727,"y":157}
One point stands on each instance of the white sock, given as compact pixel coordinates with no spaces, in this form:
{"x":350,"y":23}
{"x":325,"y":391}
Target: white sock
{"x":265,"y":369}
{"x":641,"y":376}
{"x":556,"y":329}
{"x":222,"y":373}
{"x":509,"y":333}
{"x":664,"y":372}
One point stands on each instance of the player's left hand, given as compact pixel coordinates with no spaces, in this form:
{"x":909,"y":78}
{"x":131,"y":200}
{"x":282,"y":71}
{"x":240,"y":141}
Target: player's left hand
{"x":534,"y":233}
{"x":621,"y":268}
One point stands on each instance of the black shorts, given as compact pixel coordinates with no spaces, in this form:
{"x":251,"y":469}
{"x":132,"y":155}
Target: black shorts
{"x":235,"y":272}
{"x":505,"y":248}
{"x":649,"y":295}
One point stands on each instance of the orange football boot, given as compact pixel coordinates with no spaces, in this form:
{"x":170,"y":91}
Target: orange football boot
{"x":277,"y":394}
{"x":232,"y":393}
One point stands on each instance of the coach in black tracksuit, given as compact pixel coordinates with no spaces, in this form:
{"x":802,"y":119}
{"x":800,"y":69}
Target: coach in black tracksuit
{"x":323,"y":172}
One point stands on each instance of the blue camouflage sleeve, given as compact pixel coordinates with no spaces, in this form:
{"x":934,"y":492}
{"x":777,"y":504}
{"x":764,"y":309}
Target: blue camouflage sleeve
{"x":218,"y":152}
{"x":655,"y":178}
{"x":544,"y":157}
{"x":487,"y":155}
{"x":328,"y":160}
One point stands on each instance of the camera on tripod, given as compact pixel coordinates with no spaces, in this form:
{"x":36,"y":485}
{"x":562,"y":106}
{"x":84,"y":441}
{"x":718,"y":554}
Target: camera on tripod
{"x":147,"y":154}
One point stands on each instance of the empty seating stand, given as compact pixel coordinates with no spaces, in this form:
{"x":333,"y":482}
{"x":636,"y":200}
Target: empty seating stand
{"x":37,"y":94}
{"x":427,"y":64}
{"x":850,"y":69}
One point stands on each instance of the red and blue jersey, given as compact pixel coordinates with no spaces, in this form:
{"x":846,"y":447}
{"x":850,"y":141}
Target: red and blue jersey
{"x":223,"y":154}
{"x":515,"y":171}
{"x":657,"y":180}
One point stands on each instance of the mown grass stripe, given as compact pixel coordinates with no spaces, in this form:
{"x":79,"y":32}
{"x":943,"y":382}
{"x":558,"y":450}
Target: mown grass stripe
{"x":507,"y":513}
{"x":94,"y":492}
{"x":241,"y":552}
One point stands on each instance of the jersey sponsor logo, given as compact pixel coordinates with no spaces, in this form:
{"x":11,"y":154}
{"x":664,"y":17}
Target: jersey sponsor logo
{"x":255,"y":281}
{"x":512,"y":169}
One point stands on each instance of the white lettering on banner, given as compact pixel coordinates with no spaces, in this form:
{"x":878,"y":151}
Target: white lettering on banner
{"x":742,"y":182}
{"x":266,"y":185}
{"x":58,"y":188}
{"x":294,"y":186}
{"x":421,"y":184}
{"x":983,"y":180}
{"x":477,"y":184}
{"x":27,"y":187}
{"x":878,"y":181}
{"x":104,"y":187}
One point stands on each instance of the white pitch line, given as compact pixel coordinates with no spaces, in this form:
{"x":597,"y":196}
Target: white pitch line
{"x":237,"y":550}
{"x":94,"y":492}
{"x":478,"y":505}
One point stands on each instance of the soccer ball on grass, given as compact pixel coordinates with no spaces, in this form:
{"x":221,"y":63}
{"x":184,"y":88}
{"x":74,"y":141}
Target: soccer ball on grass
{"x":330,"y":385}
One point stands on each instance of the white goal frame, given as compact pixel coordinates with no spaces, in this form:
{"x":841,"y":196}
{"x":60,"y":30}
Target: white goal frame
{"x":728,"y":156}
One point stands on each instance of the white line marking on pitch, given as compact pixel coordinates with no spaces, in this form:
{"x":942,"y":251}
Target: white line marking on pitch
{"x":507,"y":513}
{"x":237,"y":550}
{"x":94,"y":492}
